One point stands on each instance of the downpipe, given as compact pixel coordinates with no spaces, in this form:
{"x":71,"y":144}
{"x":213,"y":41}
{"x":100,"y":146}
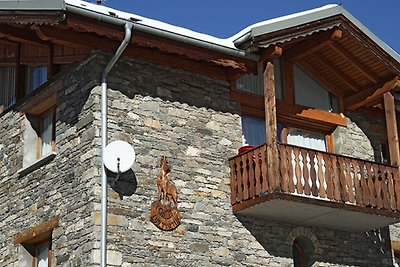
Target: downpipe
{"x":110,"y":65}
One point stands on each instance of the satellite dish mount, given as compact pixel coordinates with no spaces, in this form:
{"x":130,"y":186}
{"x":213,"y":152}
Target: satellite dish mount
{"x":119,"y":157}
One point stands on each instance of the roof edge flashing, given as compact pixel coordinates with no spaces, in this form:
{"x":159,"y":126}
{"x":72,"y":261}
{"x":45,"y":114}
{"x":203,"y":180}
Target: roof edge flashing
{"x":31,"y":5}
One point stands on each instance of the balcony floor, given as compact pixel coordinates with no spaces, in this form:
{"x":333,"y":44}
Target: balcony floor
{"x":309,"y":211}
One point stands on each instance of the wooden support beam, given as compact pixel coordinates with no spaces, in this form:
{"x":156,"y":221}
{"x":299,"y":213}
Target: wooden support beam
{"x":369,"y":95}
{"x":20,"y":35}
{"x":271,"y":53}
{"x":328,"y":65}
{"x":271,"y":126}
{"x":314,"y":44}
{"x":391,"y":126}
{"x":36,"y":231}
{"x":353,"y":61}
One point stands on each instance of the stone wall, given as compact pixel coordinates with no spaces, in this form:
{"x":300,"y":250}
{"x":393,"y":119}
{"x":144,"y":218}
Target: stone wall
{"x":63,"y":187}
{"x":366,"y":132}
{"x":160,"y":111}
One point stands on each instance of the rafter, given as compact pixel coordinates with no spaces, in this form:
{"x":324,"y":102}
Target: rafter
{"x":314,"y":44}
{"x":371,"y":94}
{"x":346,"y":80}
{"x":20,"y":35}
{"x":271,"y":53}
{"x":95,"y":42}
{"x":338,"y":48}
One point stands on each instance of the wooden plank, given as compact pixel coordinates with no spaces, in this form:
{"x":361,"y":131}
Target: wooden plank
{"x":271,"y":126}
{"x":314,"y":43}
{"x":336,"y":181}
{"x":313,"y":174}
{"x":234,"y":185}
{"x":257,"y":171}
{"x":335,"y":70}
{"x":36,"y":231}
{"x":391,"y":125}
{"x":264,"y":170}
{"x":297,"y":170}
{"x":245,"y":176}
{"x":328,"y":177}
{"x":290,"y":167}
{"x":353,"y":61}
{"x":364,"y":185}
{"x":288,"y":81}
{"x":355,"y":183}
{"x":368,"y":95}
{"x":306,"y":175}
{"x":283,"y":169}
{"x":271,"y":53}
{"x":351,"y":180}
{"x":239,"y":173}
{"x":321,"y":177}
{"x":371,"y":185}
{"x":251,"y":161}
{"x":385,"y":187}
{"x":396,"y":181}
{"x":392,"y":198}
{"x":378,"y":186}
{"x":344,"y":176}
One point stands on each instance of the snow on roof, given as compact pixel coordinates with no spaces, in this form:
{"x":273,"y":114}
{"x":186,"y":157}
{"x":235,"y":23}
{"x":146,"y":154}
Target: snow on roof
{"x":256,"y":29}
{"x":152,"y":23}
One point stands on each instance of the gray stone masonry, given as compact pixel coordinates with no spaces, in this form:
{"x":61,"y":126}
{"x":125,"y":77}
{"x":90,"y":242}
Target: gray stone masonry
{"x":160,"y":111}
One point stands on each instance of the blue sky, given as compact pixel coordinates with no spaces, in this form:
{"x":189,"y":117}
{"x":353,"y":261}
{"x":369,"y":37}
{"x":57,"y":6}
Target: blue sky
{"x":223,"y":18}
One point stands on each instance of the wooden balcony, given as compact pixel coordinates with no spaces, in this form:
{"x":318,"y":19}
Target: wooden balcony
{"x":315,"y":188}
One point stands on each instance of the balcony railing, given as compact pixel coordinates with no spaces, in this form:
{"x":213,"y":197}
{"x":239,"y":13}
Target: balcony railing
{"x":315,"y":174}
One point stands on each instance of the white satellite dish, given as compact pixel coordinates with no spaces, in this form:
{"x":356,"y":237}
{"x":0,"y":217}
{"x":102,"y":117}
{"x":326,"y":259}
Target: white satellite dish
{"x":119,"y":156}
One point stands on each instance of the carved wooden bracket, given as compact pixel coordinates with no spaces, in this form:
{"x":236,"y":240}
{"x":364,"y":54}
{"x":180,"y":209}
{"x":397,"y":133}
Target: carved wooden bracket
{"x":164,"y":211}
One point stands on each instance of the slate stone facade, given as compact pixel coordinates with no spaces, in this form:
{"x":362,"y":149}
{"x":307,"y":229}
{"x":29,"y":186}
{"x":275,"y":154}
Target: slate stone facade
{"x":160,"y":111}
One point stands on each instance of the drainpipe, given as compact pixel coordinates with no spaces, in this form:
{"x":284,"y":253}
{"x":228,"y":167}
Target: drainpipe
{"x":114,"y":59}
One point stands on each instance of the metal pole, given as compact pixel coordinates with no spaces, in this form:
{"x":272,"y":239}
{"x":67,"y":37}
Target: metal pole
{"x":103,"y":237}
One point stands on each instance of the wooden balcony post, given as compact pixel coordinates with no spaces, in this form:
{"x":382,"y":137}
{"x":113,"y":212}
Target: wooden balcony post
{"x":391,"y":126}
{"x":271,"y":127}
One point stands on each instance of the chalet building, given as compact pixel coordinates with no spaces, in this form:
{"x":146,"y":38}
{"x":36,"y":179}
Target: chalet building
{"x":310,"y":99}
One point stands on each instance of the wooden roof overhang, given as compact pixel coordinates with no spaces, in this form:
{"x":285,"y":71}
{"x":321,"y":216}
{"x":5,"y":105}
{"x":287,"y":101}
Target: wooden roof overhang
{"x":338,"y":55}
{"x":85,"y":34}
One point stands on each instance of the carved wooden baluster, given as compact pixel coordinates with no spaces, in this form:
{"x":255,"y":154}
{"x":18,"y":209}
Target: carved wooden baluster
{"x":391,"y":188}
{"x":283,"y":169}
{"x":322,"y":190}
{"x":356,"y":181}
{"x":343,"y":167}
{"x":385,"y":187}
{"x":251,"y":160}
{"x":336,"y":181}
{"x":264,"y":169}
{"x":239,"y":172}
{"x":233,"y":181}
{"x":297,"y":170}
{"x":306,"y":174}
{"x":349,"y":180}
{"x":257,"y":171}
{"x":313,"y":174}
{"x":396,"y":179}
{"x":371,"y":185}
{"x":328,"y":177}
{"x":245,"y":177}
{"x":378,"y":186}
{"x":364,"y":186}
{"x":289,"y":163}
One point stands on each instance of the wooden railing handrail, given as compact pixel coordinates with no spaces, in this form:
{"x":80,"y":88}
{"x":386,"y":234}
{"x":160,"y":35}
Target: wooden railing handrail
{"x":338,"y":155}
{"x":317,"y":174}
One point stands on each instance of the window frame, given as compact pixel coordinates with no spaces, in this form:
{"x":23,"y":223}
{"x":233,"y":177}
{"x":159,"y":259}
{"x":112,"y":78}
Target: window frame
{"x":51,"y":111}
{"x":36,"y":246}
